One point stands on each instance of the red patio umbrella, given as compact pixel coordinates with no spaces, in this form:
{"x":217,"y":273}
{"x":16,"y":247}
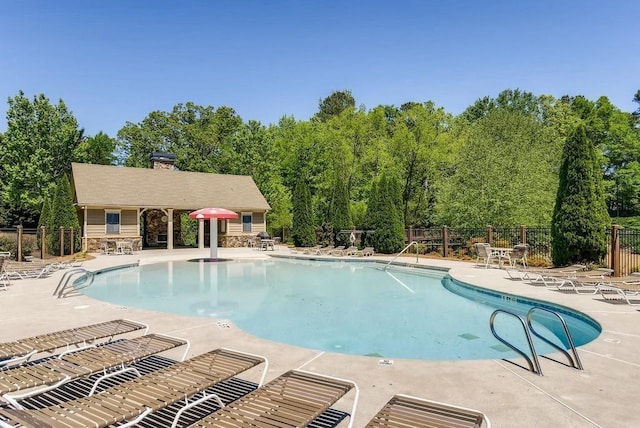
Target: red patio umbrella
{"x":213,"y":214}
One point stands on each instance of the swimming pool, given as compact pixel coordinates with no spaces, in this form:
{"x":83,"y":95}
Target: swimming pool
{"x":353,"y":308}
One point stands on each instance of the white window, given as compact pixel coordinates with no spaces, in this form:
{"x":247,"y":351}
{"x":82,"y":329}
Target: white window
{"x":246,"y":222}
{"x":112,"y":222}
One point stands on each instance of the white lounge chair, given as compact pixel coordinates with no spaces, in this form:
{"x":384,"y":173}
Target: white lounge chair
{"x":366,"y":251}
{"x":620,"y":289}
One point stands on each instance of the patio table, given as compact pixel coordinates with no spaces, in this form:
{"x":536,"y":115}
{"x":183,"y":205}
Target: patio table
{"x":501,"y":253}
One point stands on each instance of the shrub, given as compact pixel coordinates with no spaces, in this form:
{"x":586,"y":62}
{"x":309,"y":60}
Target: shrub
{"x":188,"y":230}
{"x":9,"y":242}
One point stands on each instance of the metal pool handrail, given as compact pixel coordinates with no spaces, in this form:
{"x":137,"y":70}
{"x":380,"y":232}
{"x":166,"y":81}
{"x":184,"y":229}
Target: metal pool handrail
{"x":575,"y":361}
{"x":400,"y":253}
{"x":63,"y":286}
{"x":534,"y":365}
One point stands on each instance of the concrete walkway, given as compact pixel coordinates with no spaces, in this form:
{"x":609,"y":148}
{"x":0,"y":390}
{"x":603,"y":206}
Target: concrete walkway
{"x":603,"y":395}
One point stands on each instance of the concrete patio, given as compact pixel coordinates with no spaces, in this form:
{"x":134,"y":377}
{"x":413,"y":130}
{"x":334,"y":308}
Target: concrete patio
{"x":603,"y":395}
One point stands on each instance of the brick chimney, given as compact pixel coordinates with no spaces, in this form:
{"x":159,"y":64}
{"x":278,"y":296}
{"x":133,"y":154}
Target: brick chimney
{"x":161,"y":160}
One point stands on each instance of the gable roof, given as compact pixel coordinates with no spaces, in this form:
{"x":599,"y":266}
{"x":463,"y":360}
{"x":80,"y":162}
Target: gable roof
{"x":114,"y":186}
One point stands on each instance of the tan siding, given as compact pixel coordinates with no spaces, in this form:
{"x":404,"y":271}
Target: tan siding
{"x":95,"y":230}
{"x":128,"y":218}
{"x":95,"y":217}
{"x":234,"y":227}
{"x":129,"y":230}
{"x":96,"y":223}
{"x":258,"y":223}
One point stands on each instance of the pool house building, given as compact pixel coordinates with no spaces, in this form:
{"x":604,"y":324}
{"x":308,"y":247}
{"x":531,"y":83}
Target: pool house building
{"x":146,"y":204}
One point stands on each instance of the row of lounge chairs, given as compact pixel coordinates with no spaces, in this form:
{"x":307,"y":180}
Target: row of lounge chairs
{"x":11,"y":270}
{"x":293,"y":399}
{"x":576,"y":278}
{"x":339,"y":251}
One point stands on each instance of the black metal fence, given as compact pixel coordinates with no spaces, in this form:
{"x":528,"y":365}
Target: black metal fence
{"x":459,"y":242}
{"x":623,"y":245}
{"x":23,"y":243}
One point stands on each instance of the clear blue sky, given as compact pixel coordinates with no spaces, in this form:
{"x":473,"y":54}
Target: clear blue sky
{"x":115,"y":61}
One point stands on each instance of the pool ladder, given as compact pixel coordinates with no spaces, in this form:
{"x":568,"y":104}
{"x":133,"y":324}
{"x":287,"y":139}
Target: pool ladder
{"x":66,"y":287}
{"x":533,"y":362}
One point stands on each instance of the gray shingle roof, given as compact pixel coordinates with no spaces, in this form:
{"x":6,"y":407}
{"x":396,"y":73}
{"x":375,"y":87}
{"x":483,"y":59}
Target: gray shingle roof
{"x":113,"y":186}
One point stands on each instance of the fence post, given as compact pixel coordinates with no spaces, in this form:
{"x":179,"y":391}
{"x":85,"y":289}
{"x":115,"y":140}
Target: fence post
{"x":445,"y":241}
{"x":615,"y":250}
{"x":61,"y":241}
{"x":19,"y":246}
{"x":43,"y":240}
{"x":71,"y":241}
{"x":523,"y":234}
{"x":490,"y":234}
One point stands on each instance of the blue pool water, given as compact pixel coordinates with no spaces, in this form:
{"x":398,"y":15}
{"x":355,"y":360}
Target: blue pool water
{"x":353,"y":308}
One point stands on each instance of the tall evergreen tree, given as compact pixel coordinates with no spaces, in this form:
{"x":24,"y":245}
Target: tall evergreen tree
{"x":303,"y":232}
{"x":339,"y":214}
{"x":63,"y":214}
{"x":388,"y":220}
{"x":44,"y":220}
{"x":580,"y":214}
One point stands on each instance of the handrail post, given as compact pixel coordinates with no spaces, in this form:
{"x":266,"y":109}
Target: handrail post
{"x":61,"y":241}
{"x":43,"y":238}
{"x":445,"y":241}
{"x":19,"y":244}
{"x":615,"y":250}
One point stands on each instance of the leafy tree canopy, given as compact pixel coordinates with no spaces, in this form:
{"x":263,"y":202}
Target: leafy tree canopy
{"x":334,"y":104}
{"x":35,"y":151}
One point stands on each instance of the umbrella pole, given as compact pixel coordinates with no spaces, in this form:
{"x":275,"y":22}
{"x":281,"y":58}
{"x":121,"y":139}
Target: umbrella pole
{"x":213,"y":236}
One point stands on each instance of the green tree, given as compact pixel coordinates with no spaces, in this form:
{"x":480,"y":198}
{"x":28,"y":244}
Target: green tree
{"x":253,"y":152}
{"x":63,"y":214}
{"x":580,"y":216}
{"x":505,"y":173}
{"x":44,"y":220}
{"x":334,"y":104}
{"x":388,"y":220}
{"x":340,"y":215}
{"x":35,"y":151}
{"x":195,"y":134}
{"x":303,"y":232}
{"x":99,"y":149}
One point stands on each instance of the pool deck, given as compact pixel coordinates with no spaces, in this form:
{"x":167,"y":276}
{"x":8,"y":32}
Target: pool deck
{"x":603,"y":395}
